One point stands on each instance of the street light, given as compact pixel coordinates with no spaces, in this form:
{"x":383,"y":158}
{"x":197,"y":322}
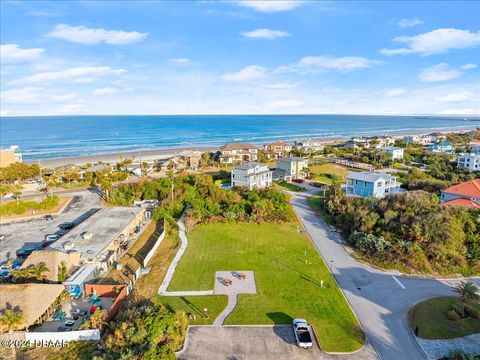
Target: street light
{"x":331,"y":274}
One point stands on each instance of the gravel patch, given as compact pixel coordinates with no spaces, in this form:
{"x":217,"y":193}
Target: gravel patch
{"x":436,"y":349}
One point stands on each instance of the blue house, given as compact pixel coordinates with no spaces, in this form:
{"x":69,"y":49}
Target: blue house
{"x":368,"y":184}
{"x":442,"y":147}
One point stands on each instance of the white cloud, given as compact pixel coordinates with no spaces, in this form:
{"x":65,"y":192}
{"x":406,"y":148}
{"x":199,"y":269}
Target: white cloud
{"x":69,"y":109}
{"x":435,"y":42}
{"x":439,"y":72}
{"x":90,"y":36}
{"x":32,"y":95}
{"x":316,"y":64}
{"x":67,"y":74}
{"x":179,"y":61}
{"x":282,"y":104}
{"x":12,"y":53}
{"x":270,"y":6}
{"x":266,"y":34}
{"x":406,"y":23}
{"x":280,"y":86}
{"x":251,"y":72}
{"x":86,"y":80}
{"x":464,"y":111}
{"x":104,"y":91}
{"x":396,"y":92}
{"x":469,"y":66}
{"x":456,"y":97}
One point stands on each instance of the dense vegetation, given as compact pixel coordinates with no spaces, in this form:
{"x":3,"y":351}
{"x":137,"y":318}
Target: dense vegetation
{"x":18,"y":171}
{"x":411,"y":231}
{"x":207,"y":202}
{"x":142,"y":330}
{"x":21,"y":207}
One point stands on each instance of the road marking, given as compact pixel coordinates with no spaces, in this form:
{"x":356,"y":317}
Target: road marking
{"x":398,"y":282}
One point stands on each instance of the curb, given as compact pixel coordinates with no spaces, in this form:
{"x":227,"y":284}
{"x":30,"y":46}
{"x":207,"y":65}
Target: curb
{"x":38,"y":216}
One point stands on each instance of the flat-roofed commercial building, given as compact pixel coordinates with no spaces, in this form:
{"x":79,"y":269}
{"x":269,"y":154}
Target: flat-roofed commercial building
{"x":100,"y":239}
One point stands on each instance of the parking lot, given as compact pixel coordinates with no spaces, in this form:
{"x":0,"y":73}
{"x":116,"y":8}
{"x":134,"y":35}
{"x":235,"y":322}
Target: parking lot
{"x":31,"y":233}
{"x":256,"y":342}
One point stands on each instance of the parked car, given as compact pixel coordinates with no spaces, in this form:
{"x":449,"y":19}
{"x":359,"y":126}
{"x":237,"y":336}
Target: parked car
{"x":299,"y":181}
{"x":48,"y":217}
{"x":302,"y":333}
{"x":4,"y":274}
{"x":69,"y":323}
{"x":51,"y":237}
{"x":66,"y":226}
{"x":2,"y":237}
{"x":47,"y":243}
{"x":24,"y":253}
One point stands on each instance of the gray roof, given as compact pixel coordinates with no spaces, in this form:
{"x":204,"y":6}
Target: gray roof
{"x":369,"y":176}
{"x":391,"y":148}
{"x":249,"y":165}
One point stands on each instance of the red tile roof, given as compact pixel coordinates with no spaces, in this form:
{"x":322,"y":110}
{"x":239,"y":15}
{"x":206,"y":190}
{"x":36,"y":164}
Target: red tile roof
{"x":467,"y":189}
{"x":461,"y":202}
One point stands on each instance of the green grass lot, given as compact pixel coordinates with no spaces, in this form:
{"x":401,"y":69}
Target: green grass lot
{"x":319,"y":170}
{"x":431,"y":318}
{"x":282,"y":185}
{"x":287,"y":270}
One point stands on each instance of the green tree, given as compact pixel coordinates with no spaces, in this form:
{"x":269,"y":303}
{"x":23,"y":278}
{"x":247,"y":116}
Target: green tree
{"x":11,"y":319}
{"x":62,"y":272}
{"x":38,"y":271}
{"x":467,"y":292}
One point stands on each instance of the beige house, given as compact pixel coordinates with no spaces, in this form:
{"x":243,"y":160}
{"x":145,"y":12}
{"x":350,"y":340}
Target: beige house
{"x":53,"y":259}
{"x":34,"y":301}
{"x":290,"y":168}
{"x":238,"y":152}
{"x":9,"y":156}
{"x":277,"y":149}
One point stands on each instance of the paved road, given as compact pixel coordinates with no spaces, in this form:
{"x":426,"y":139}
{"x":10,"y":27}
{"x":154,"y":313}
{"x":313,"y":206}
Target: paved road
{"x":380,"y":300}
{"x":31,"y":233}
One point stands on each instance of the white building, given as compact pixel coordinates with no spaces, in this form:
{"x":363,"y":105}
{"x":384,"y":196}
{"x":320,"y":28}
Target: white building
{"x":418,"y":139}
{"x":368,"y":142}
{"x":470,"y":161}
{"x":237,"y":152}
{"x":395,"y":152}
{"x":310,"y":145}
{"x":252,"y":175}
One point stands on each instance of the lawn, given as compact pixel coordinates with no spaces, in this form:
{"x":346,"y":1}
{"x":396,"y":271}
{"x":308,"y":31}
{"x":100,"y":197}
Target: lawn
{"x":288,"y":271}
{"x":431,"y":318}
{"x":283,"y":185}
{"x":320,"y":171}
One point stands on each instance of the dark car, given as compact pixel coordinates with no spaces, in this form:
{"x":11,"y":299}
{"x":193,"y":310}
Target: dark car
{"x":23,"y":253}
{"x":48,"y":217}
{"x":47,"y":243}
{"x":66,"y":226}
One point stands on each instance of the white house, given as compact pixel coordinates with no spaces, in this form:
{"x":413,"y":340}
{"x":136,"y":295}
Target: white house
{"x":277,"y":149}
{"x":310,"y":145}
{"x":368,"y":184}
{"x":367,"y":142}
{"x":470,"y":161}
{"x":395,"y":152}
{"x":252,"y":175}
{"x":418,"y":139}
{"x":290,"y":168}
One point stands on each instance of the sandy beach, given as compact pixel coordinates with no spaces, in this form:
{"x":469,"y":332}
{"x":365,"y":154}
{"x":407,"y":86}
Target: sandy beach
{"x":147,"y":155}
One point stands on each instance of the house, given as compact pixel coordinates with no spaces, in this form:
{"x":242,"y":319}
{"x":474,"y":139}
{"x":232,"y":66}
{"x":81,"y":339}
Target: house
{"x":368,"y":142}
{"x":418,"y":139}
{"x":474,"y":147}
{"x":310,"y":146}
{"x":237,"y":152}
{"x":140,"y":169}
{"x":464,"y":194}
{"x":395,"y":152}
{"x":36,"y":302}
{"x":192,"y":158}
{"x":437,"y":136}
{"x":442,"y":147}
{"x":368,"y":184}
{"x":277,"y":149}
{"x":290,"y":168}
{"x":471,"y":161}
{"x":252,"y":175}
{"x":10,"y":155}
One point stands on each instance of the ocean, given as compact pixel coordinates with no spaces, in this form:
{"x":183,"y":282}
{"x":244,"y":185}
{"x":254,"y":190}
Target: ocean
{"x":47,"y":137}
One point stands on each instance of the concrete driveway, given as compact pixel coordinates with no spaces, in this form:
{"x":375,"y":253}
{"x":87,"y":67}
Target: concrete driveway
{"x":253,"y":343}
{"x":380,"y":299}
{"x":31,"y":233}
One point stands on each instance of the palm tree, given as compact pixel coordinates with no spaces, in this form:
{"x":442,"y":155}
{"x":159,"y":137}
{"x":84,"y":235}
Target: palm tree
{"x":21,"y":275}
{"x":38,"y":271}
{"x":11,"y":319}
{"x":467,"y":292}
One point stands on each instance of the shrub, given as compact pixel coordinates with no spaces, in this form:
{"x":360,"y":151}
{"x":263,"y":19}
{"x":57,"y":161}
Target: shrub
{"x":453,"y":315}
{"x":14,"y":208}
{"x":473,"y":312}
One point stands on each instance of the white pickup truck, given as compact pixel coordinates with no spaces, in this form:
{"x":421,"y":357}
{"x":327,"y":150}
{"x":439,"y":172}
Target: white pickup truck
{"x":302,"y":333}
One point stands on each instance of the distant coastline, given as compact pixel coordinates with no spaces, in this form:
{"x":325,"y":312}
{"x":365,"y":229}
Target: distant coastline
{"x":76,"y":139}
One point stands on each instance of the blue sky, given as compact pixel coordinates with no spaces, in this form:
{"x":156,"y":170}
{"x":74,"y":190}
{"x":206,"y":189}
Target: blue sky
{"x":240,"y":57}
